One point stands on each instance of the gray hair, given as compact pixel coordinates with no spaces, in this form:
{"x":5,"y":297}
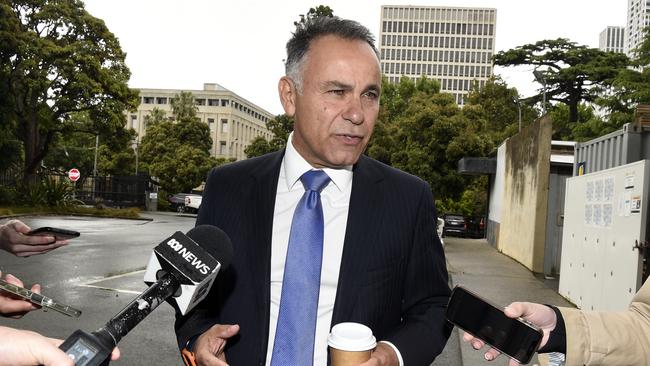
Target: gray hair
{"x":314,"y":28}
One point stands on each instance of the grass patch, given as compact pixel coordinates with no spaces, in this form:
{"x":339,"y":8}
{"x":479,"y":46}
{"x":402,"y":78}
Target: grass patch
{"x":127,"y":213}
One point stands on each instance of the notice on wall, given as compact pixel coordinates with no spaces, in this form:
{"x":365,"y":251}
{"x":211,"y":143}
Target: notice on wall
{"x":599,"y":202}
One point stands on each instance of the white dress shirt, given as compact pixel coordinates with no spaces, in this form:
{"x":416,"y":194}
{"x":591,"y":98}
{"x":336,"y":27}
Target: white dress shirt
{"x":335,"y":198}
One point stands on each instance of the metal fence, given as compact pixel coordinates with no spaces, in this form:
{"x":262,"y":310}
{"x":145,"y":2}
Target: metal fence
{"x":116,"y":191}
{"x":113,"y":191}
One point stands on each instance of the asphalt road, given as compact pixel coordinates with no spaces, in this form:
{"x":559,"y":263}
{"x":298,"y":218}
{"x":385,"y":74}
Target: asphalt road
{"x":99,"y":273}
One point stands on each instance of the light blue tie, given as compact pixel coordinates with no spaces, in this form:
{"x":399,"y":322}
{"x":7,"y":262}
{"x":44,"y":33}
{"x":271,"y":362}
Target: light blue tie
{"x":294,"y":335}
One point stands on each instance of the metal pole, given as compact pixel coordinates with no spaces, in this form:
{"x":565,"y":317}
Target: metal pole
{"x":136,"y":156}
{"x":95,"y":166}
{"x":541,"y":78}
{"x":519,"y":110}
{"x":96,"y":148}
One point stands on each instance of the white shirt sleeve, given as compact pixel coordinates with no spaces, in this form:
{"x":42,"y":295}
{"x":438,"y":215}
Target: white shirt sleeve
{"x":399,"y":355}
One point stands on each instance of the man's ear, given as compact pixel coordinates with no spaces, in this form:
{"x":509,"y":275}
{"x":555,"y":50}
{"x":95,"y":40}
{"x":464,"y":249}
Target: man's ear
{"x":287,"y":91}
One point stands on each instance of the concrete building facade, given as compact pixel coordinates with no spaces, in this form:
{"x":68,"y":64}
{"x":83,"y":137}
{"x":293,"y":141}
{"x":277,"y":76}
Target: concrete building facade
{"x":234,"y":121}
{"x":453,"y":45}
{"x":612,"y":39}
{"x":638,"y":17}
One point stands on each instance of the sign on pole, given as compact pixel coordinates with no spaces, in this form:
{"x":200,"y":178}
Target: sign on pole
{"x":74,"y":174}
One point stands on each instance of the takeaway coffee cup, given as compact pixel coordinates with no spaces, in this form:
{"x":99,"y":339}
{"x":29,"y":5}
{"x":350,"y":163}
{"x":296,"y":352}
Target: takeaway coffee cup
{"x":350,"y":344}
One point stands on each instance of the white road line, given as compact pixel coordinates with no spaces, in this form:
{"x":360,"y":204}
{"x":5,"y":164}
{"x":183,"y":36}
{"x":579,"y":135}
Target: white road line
{"x":91,"y":284}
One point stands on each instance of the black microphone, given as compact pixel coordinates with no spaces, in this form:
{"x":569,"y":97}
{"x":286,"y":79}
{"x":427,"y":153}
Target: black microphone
{"x":182,"y":270}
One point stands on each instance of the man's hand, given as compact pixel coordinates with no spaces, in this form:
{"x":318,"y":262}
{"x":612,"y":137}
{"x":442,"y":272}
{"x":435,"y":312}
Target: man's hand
{"x":209,"y":347}
{"x":383,"y":355}
{"x":14,"y":239}
{"x":14,"y":306}
{"x":22,"y":347}
{"x":541,"y":315}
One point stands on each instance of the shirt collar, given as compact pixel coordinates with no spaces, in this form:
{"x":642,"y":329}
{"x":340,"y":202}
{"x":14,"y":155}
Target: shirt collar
{"x":295,"y":166}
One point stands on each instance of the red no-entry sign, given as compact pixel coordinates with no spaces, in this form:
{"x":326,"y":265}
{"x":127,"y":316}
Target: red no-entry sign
{"x":74,"y":174}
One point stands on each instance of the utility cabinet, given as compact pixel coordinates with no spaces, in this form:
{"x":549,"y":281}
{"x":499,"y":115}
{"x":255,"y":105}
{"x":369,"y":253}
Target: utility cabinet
{"x":605,"y":228}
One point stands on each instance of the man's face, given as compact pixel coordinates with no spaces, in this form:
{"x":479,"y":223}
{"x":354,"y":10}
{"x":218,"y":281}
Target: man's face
{"x":337,"y":108}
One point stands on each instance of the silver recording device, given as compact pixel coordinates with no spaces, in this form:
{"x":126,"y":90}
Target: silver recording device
{"x":39,"y":299}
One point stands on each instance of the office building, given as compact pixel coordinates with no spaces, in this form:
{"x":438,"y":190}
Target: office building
{"x":612,"y":39}
{"x":638,"y":17}
{"x":234,"y":121}
{"x":454,"y":45}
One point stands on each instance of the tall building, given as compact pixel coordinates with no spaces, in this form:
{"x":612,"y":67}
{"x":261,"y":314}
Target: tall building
{"x":638,"y":17}
{"x":234,"y":121}
{"x":451,"y":44}
{"x":612,"y":39}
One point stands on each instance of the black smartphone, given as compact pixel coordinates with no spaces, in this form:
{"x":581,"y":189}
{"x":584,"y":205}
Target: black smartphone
{"x":59,"y":234}
{"x":516,"y":338}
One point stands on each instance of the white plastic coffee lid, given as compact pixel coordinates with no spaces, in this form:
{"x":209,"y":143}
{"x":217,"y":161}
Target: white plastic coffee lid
{"x":351,"y":337}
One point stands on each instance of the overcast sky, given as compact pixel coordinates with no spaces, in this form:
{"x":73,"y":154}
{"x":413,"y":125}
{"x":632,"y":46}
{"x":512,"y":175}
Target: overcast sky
{"x":181,"y":44}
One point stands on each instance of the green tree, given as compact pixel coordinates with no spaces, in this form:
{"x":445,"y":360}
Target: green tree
{"x":258,"y":147}
{"x":280,"y":126}
{"x":632,"y":85}
{"x":424,"y":132}
{"x":56,"y":59}
{"x":75,"y":148}
{"x":494,"y":111}
{"x":573,"y":74}
{"x":177,"y":151}
{"x":183,"y":106}
{"x":591,"y":124}
{"x":319,"y":11}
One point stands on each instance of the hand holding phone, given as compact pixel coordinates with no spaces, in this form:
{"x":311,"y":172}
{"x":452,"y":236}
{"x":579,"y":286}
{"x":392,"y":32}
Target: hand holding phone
{"x":18,"y":238}
{"x":58,"y":233}
{"x":515,"y":337}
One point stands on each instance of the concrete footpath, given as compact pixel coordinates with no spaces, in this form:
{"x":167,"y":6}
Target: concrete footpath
{"x":501,"y":280}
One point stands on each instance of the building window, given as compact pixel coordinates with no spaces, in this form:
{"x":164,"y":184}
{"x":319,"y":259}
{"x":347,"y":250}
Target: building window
{"x":210,"y":121}
{"x":147,"y":100}
{"x":160,"y":100}
{"x":213,"y":102}
{"x":225,"y":102}
{"x":224,"y":126}
{"x":199,"y":101}
{"x":223,"y":150}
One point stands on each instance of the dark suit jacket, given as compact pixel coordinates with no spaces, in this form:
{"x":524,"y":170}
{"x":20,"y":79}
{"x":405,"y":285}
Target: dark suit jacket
{"x":392,"y":278}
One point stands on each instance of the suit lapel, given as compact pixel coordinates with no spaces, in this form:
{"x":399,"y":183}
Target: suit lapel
{"x":363,"y":214}
{"x":262,"y":206}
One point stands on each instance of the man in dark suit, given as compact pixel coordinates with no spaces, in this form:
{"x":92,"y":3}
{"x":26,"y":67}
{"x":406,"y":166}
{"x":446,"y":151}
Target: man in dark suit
{"x":382,"y":262}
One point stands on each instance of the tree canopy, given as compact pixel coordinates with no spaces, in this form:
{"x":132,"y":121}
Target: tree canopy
{"x":319,"y":11}
{"x":422,"y":131}
{"x":177,"y":150}
{"x":571,"y":73}
{"x":57,"y":60}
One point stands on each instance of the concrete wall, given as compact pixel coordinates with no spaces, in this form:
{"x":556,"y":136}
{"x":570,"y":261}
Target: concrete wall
{"x":525,"y":195}
{"x":496,"y":198}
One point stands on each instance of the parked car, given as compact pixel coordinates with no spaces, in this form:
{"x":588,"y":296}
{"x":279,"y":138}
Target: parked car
{"x":440,"y":228}
{"x":193,"y":203}
{"x":454,"y":225}
{"x":475,"y":226}
{"x":177,"y":201}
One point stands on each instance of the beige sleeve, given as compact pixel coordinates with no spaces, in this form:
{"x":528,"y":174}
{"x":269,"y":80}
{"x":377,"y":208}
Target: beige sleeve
{"x":610,"y":338}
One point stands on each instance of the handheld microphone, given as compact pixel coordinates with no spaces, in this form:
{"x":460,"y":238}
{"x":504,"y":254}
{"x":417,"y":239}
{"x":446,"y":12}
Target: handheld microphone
{"x":181,"y":270}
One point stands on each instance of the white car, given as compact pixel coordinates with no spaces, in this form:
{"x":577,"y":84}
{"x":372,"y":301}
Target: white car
{"x":193,"y":203}
{"x":441,"y":230}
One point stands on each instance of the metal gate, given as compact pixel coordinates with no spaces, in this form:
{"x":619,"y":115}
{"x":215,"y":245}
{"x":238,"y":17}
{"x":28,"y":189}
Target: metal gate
{"x":605,"y":218}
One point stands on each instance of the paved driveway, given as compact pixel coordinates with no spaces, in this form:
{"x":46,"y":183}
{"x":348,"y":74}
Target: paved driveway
{"x":99,"y":273}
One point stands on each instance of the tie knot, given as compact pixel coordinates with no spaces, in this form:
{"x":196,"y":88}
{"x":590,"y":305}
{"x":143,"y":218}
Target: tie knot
{"x":315,"y":180}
